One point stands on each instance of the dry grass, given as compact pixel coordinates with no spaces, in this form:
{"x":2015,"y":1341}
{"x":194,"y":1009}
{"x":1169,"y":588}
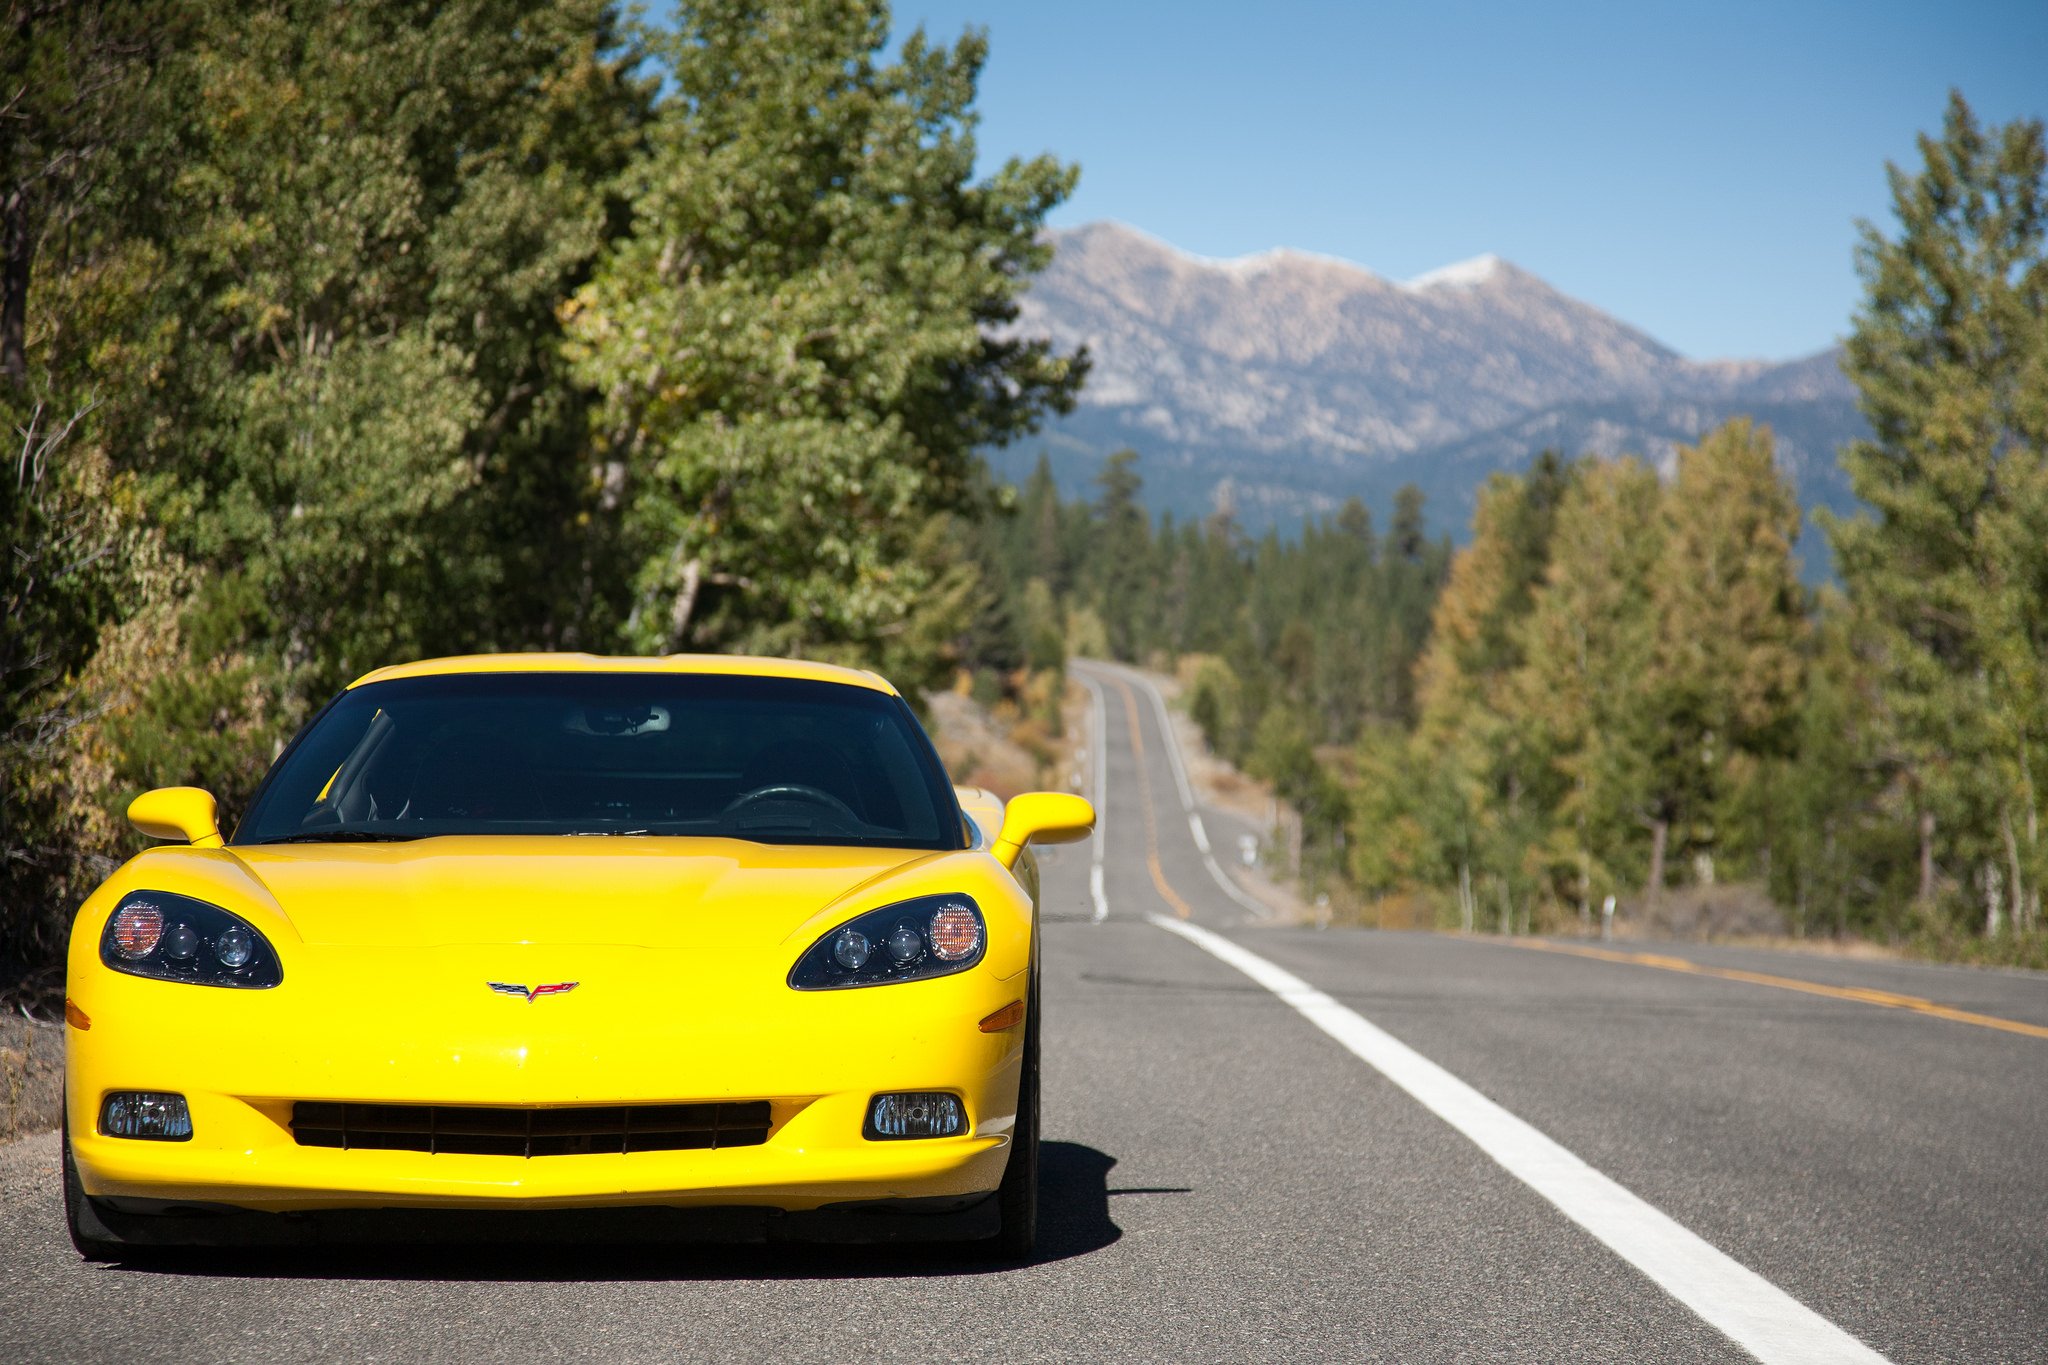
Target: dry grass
{"x":31,"y":1075}
{"x":1001,"y":748}
{"x":1722,"y":911}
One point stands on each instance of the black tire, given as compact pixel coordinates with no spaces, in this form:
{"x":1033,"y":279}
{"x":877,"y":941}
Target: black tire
{"x":93,"y":1238}
{"x":1017,"y":1198}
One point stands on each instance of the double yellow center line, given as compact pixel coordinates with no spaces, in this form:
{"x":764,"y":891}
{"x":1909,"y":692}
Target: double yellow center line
{"x":1862,"y":995}
{"x":1166,"y":891}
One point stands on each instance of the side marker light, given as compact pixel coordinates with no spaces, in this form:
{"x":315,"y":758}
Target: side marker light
{"x":1004,"y":1019}
{"x":75,"y":1016}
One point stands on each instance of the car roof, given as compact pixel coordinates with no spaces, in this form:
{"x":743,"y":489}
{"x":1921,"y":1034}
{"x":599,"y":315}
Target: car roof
{"x":731,"y":665}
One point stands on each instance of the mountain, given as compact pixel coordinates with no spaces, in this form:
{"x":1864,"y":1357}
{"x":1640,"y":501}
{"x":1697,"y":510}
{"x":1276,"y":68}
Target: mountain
{"x":1283,"y":382}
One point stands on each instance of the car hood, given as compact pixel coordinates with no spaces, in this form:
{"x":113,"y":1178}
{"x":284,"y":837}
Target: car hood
{"x":649,"y":892}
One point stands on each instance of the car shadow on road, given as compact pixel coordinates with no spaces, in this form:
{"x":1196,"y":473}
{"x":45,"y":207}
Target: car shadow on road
{"x":1073,"y":1220}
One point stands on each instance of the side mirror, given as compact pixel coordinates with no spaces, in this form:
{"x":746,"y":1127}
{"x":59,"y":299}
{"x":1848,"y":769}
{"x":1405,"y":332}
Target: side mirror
{"x":1048,"y":817}
{"x":186,"y":814}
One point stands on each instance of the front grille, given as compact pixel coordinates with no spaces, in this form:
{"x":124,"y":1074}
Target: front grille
{"x":482,"y":1131}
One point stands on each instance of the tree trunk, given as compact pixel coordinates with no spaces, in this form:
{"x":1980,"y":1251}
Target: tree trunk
{"x":685,"y":604}
{"x":1827,"y":849}
{"x":14,"y":269}
{"x":2012,"y":858}
{"x":1660,"y":838}
{"x":1585,"y":888}
{"x":15,"y":246}
{"x":1926,"y":856}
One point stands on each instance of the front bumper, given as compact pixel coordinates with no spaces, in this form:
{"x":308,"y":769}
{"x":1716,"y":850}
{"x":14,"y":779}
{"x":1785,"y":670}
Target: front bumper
{"x":242,"y":1059}
{"x":243,"y":1155}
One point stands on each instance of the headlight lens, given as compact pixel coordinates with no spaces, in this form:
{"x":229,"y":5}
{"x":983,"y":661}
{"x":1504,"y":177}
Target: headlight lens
{"x":910,"y":941}
{"x":850,"y":948}
{"x":175,"y":938}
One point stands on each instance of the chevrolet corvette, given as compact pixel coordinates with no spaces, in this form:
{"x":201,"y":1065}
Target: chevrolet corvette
{"x":700,"y":946}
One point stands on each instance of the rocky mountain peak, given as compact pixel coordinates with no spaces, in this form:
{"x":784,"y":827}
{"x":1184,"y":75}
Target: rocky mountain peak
{"x":1292,"y":377}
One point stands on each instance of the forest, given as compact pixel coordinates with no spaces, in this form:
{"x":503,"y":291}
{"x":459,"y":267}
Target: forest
{"x":338,"y":334}
{"x":332,"y":335}
{"x":1620,"y":686}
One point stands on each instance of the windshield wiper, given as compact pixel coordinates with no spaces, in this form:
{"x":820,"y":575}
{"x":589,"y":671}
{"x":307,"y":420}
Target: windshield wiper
{"x":603,"y":833}
{"x":343,"y":836}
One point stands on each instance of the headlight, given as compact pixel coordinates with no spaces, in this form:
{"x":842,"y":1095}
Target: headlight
{"x":176,"y":938}
{"x":929,"y":936}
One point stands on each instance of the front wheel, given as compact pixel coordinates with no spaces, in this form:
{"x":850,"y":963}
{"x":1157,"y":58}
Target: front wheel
{"x":92,"y":1238}
{"x":1018,"y":1195}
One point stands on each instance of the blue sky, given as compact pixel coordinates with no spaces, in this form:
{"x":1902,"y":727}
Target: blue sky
{"x":1694,"y":169}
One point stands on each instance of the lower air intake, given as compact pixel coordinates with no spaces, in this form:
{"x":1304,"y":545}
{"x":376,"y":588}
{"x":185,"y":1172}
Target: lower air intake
{"x":481,"y":1131}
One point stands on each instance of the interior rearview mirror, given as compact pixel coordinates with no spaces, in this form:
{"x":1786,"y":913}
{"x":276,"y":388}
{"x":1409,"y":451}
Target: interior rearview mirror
{"x":1048,"y":817}
{"x":187,"y":814}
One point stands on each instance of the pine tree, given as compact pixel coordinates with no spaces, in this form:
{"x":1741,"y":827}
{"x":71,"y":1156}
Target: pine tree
{"x":1122,"y":552}
{"x":1950,"y":575}
{"x":1834,"y":848}
{"x":1485,"y":809}
{"x":1731,"y":623}
{"x":1578,"y":697}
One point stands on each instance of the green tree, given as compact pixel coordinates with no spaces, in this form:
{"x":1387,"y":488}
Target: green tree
{"x":1123,"y":554}
{"x":382,"y":206}
{"x":1834,"y":847}
{"x":1949,"y":576}
{"x":1731,"y":624}
{"x":1587,"y":645}
{"x":1491,"y":805}
{"x":796,"y":342}
{"x":83,"y":119}
{"x":295,"y":271}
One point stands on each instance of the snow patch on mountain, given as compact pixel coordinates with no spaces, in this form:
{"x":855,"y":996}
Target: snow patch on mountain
{"x":1249,"y":265}
{"x":1462,"y":274}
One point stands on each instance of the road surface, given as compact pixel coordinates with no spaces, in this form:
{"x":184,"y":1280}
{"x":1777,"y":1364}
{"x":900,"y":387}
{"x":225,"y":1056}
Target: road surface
{"x":1344,"y":1146}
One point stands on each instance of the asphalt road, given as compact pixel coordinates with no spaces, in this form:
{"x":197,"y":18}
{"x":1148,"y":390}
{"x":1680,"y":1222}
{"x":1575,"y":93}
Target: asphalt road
{"x":1229,"y":1176}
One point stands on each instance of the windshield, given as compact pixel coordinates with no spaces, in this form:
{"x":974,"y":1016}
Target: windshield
{"x":774,"y":760}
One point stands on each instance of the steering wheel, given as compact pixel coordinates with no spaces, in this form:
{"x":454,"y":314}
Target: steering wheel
{"x":793,"y":790}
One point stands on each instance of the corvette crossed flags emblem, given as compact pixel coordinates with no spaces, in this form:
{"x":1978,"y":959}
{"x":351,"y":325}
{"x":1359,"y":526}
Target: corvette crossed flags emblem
{"x":532,"y":993}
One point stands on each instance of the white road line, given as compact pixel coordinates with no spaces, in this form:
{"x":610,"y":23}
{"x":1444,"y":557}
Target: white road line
{"x":1187,"y":797}
{"x":1754,"y":1313}
{"x":1099,"y":719}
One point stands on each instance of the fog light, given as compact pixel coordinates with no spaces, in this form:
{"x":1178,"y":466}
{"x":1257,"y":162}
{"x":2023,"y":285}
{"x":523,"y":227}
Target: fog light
{"x":916,"y":1114}
{"x":145,"y":1114}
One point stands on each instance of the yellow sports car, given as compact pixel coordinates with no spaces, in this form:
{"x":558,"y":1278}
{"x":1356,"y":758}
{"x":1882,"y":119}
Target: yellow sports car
{"x":696,"y":946}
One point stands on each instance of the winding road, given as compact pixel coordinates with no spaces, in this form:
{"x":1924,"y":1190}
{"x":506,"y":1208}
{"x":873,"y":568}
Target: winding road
{"x":1266,"y":1142}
